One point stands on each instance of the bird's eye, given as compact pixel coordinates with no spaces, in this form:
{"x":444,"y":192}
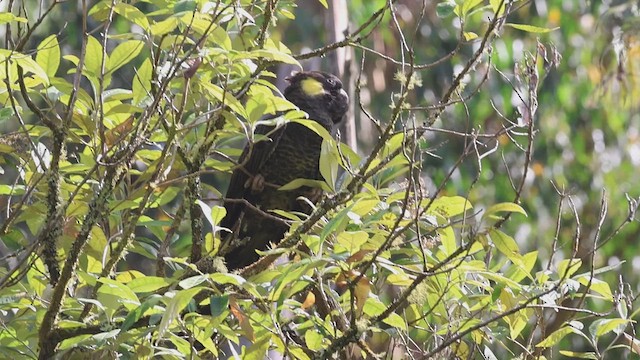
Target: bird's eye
{"x":331,"y":81}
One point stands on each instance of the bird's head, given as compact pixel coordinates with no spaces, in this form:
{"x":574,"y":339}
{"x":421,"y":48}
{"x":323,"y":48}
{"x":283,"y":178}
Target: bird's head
{"x":319,"y":94}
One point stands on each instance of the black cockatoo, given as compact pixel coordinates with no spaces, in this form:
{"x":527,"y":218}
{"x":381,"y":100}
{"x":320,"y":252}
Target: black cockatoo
{"x":291,"y":152}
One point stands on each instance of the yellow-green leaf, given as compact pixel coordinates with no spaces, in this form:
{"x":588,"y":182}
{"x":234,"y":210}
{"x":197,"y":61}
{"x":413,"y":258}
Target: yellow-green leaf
{"x":148,"y":284}
{"x":531,"y":28}
{"x":94,"y":54}
{"x":352,"y":240}
{"x":315,"y":127}
{"x":504,"y":207}
{"x":598,"y":286}
{"x":115,"y":292}
{"x":373,"y":307}
{"x":215,"y":92}
{"x":296,"y":183}
{"x":141,"y":85}
{"x":568,"y":267}
{"x":555,"y":337}
{"x":176,"y":305}
{"x":48,"y":56}
{"x":497,"y":6}
{"x":124,"y":53}
{"x":604,"y":326}
{"x":469,"y":35}
{"x":506,"y":245}
{"x":164,"y":27}
{"x":399,"y":279}
{"x":6,"y":17}
{"x":132,"y":14}
{"x":579,"y":355}
{"x":448,"y":206}
{"x":396,"y":321}
{"x":329,"y":161}
{"x":465,"y":6}
{"x":313,"y":339}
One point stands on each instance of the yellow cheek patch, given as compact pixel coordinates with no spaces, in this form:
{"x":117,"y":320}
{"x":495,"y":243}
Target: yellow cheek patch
{"x":312,"y":87}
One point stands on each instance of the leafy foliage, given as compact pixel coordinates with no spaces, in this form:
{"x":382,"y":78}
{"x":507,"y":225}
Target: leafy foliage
{"x":115,"y":153}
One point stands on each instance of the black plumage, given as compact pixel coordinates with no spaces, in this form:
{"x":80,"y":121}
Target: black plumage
{"x":291,"y":152}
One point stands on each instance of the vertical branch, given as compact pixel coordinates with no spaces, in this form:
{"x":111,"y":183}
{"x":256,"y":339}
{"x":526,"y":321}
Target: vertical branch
{"x":268,"y":16}
{"x":96,"y":207}
{"x":192,"y":194}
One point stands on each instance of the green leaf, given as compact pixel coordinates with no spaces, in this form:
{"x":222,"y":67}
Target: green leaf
{"x":176,"y":305}
{"x":314,"y":339}
{"x":517,"y":322}
{"x":276,"y":51}
{"x":164,"y":27}
{"x":48,"y":55}
{"x":466,"y":6}
{"x":337,"y":222}
{"x":517,"y":273}
{"x":295,"y":275}
{"x":7,"y":17}
{"x":579,"y":355}
{"x":113,"y":293}
{"x":12,"y":189}
{"x":132,"y":14}
{"x":6,"y":114}
{"x":217,"y":214}
{"x":531,"y":28}
{"x":315,"y":127}
{"x":233,"y":279}
{"x":470,"y":35}
{"x":447,"y":206}
{"x":604,"y":326}
{"x":396,"y":321}
{"x":123,"y":54}
{"x":504,"y":207}
{"x":216,"y":93}
{"x":394,"y":143}
{"x":324,"y":3}
{"x":190,"y":282}
{"x":219,"y":37}
{"x":141,"y":86}
{"x":556,"y":336}
{"x":213,"y":214}
{"x":399,"y":279}
{"x":329,"y":162}
{"x":186,"y":5}
{"x":373,"y":307}
{"x":148,"y":284}
{"x":497,"y":6}
{"x":258,"y":349}
{"x":297,"y":183}
{"x":137,"y":313}
{"x":568,"y":267}
{"x":445,"y":8}
{"x":448,"y":240}
{"x":219,"y":304}
{"x":352,"y":241}
{"x":30,"y":66}
{"x":506,"y":245}
{"x":67,"y":88}
{"x":94,"y":55}
{"x":599,"y":286}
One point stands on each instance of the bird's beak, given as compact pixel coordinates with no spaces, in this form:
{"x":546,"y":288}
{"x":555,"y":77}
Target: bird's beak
{"x":344,"y":94}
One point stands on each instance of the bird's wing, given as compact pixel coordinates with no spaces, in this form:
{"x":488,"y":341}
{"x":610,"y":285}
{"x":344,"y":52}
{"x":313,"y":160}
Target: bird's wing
{"x":251,"y":161}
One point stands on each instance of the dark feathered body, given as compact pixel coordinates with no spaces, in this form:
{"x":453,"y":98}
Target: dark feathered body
{"x":293,"y":152}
